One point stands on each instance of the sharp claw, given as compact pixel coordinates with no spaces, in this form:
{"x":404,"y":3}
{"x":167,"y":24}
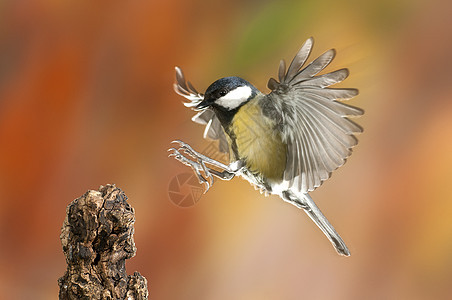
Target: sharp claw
{"x":208,"y":185}
{"x":207,"y":188}
{"x":177,"y":142}
{"x":174,"y":153}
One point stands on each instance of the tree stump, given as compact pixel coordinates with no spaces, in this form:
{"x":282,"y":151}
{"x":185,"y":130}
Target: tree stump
{"x":97,"y":238}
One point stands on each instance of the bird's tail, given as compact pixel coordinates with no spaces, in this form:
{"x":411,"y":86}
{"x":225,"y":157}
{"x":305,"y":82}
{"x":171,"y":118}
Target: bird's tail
{"x":305,"y":202}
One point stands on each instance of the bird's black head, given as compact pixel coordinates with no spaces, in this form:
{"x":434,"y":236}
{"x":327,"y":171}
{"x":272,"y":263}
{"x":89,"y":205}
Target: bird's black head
{"x":228,"y":94}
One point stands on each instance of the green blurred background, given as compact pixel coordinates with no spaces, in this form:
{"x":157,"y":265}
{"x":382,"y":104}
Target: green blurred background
{"x":86,"y":99}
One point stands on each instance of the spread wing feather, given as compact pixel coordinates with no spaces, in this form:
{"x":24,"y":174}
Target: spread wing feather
{"x":299,"y":59}
{"x":207,"y":117}
{"x":315,"y":126}
{"x":314,"y":67}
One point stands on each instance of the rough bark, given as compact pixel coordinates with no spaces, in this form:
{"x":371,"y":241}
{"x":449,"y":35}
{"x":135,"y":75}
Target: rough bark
{"x":97,"y":238}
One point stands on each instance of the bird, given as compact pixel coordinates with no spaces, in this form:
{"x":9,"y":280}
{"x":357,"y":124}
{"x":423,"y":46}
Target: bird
{"x":286,"y":142}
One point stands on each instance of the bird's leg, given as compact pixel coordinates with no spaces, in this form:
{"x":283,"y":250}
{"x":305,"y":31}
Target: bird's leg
{"x":199,"y":165}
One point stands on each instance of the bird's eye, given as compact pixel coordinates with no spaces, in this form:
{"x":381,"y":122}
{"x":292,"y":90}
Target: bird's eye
{"x":222,"y":92}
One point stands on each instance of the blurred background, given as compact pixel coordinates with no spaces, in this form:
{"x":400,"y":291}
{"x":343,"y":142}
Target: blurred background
{"x":86,"y":99}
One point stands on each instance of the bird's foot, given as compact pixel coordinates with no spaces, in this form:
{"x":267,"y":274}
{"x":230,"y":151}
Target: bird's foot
{"x":197,"y":166}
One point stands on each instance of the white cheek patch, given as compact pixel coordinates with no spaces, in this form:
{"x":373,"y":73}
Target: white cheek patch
{"x":235,"y":98}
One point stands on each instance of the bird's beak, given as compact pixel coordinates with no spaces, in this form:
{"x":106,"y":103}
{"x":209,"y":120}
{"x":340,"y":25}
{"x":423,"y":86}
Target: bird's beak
{"x":203,"y":104}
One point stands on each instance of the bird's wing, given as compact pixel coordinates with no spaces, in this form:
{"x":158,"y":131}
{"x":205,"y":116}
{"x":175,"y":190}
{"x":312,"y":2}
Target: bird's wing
{"x":207,"y":117}
{"x":314,"y":124}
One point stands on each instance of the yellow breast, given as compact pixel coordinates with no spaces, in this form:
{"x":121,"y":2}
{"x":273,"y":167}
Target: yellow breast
{"x":258,"y":142}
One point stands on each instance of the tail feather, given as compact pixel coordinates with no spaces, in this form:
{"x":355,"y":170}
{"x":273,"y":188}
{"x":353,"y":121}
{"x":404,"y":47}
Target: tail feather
{"x":305,"y":202}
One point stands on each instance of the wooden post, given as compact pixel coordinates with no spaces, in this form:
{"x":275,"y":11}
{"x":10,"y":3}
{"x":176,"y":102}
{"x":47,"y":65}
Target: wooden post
{"x":97,"y":238}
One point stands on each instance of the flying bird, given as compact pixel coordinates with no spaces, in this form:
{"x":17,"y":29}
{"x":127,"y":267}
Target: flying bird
{"x":286,"y":142}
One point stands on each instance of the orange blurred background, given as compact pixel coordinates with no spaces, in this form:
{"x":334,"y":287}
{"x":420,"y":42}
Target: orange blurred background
{"x":86,"y":99}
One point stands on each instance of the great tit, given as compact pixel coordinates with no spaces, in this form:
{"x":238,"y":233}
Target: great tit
{"x":286,"y":142}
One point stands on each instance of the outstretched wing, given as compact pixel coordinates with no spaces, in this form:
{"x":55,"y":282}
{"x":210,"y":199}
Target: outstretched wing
{"x":206,"y":117}
{"x":315,"y":126}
